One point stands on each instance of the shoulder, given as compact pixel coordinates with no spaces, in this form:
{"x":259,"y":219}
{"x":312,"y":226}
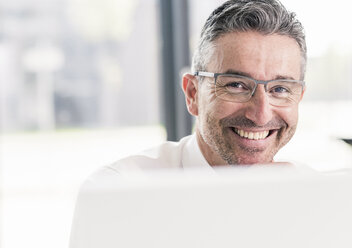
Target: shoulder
{"x":165,"y":155}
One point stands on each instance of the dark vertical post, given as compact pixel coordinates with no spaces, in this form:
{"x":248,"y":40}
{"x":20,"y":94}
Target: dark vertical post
{"x":174,"y":57}
{"x":167,"y":69}
{"x":182,"y":61}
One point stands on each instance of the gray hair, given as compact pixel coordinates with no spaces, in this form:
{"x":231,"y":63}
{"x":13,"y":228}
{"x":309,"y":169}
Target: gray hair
{"x":263,"y":16}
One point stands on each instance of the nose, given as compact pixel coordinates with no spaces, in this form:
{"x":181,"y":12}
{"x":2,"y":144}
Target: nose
{"x":258,"y":107}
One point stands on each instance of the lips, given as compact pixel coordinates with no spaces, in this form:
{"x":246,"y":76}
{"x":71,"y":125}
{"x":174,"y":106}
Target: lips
{"x":252,"y":135}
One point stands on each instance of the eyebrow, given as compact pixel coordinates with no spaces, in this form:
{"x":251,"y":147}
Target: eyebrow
{"x":245,"y":74}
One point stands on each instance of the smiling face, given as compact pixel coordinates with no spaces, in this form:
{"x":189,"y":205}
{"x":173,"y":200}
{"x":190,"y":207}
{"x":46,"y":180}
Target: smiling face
{"x":250,"y":132}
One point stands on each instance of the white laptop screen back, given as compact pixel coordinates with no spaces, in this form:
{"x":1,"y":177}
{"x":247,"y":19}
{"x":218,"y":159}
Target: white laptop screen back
{"x":232,"y":208}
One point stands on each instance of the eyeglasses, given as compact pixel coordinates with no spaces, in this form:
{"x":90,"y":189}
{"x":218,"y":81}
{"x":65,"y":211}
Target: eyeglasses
{"x":237,"y":88}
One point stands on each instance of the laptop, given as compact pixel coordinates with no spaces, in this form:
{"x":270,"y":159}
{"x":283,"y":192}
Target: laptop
{"x":242,"y":207}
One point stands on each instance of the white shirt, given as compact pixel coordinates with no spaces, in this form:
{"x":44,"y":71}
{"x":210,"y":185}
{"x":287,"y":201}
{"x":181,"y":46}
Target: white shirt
{"x":184,"y":155}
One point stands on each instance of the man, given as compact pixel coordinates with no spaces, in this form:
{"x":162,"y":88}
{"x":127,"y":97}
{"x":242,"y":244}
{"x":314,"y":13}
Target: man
{"x":241,"y":120}
{"x":247,"y":82}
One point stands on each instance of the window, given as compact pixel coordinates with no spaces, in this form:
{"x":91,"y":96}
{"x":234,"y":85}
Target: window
{"x":79,"y":86}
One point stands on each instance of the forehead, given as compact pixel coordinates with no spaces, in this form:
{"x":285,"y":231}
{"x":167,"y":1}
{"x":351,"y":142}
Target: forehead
{"x":261,"y":56}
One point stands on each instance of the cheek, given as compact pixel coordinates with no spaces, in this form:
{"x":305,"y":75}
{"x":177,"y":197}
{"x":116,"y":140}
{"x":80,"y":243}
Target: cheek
{"x":218,"y":109}
{"x":289,"y":115}
{"x":223,"y":109}
{"x":210,"y":105}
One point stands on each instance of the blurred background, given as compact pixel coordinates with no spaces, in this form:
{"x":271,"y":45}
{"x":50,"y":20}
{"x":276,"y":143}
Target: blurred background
{"x":86,"y":82}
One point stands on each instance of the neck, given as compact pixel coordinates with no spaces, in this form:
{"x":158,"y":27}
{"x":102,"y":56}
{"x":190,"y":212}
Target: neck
{"x":209,"y":154}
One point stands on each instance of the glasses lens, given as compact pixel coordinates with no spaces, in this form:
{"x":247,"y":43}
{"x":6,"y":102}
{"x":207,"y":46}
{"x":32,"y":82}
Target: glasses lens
{"x":284,"y":93}
{"x":234,"y":88}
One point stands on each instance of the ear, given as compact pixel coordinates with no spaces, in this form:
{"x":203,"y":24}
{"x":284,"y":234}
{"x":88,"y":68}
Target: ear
{"x":304,"y":90}
{"x":190,"y":89}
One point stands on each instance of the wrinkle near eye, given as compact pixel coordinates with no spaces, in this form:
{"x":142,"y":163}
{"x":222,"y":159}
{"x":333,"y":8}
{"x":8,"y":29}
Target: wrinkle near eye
{"x":211,"y":92}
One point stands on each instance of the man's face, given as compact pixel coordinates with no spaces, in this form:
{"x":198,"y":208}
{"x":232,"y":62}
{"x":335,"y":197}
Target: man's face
{"x":221,"y":124}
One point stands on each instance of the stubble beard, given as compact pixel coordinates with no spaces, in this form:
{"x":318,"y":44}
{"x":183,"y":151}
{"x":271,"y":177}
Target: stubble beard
{"x":219,"y":140}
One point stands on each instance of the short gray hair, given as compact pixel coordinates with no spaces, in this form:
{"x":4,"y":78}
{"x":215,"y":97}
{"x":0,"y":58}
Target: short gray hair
{"x":263,"y":16}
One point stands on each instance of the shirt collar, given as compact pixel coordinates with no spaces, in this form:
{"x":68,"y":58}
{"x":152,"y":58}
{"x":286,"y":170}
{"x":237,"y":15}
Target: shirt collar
{"x":192,"y":157}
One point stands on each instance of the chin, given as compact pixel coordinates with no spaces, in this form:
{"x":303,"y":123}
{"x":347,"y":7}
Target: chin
{"x":253,"y":162}
{"x":252,"y":159}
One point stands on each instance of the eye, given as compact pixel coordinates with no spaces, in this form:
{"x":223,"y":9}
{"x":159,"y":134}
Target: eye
{"x":236,"y":87}
{"x":279,"y":89}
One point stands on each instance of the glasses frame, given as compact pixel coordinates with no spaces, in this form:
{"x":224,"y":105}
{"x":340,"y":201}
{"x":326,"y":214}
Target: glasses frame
{"x":264,"y":82}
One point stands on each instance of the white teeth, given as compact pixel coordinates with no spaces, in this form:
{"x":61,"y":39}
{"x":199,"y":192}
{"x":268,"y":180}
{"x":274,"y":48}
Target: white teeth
{"x":241,"y":133}
{"x":252,"y":135}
